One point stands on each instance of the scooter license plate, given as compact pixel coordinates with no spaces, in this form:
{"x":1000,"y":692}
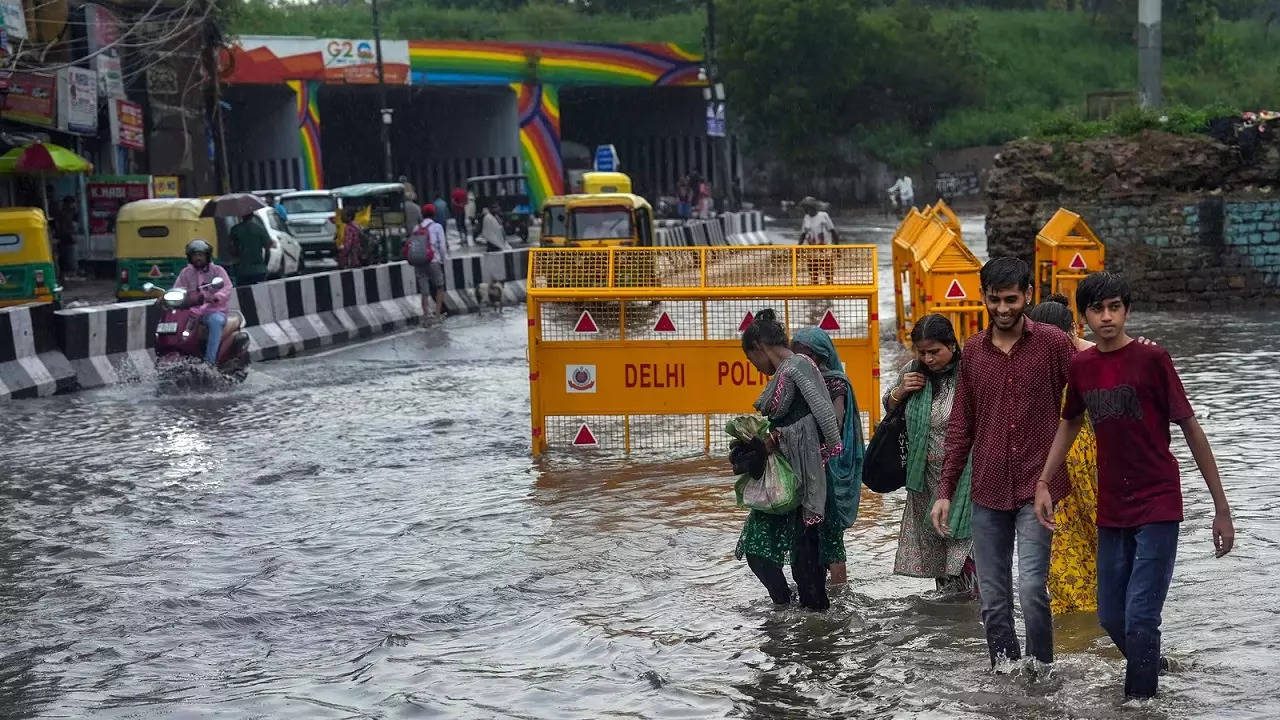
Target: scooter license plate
{"x":166,"y":328}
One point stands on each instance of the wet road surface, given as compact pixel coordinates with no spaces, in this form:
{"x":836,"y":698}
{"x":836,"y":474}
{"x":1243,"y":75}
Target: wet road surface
{"x":363,"y":534}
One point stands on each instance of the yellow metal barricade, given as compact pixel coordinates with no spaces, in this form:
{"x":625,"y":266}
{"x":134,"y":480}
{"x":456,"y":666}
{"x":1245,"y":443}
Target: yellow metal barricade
{"x":1066,"y":251}
{"x":935,"y":272}
{"x":639,"y":349}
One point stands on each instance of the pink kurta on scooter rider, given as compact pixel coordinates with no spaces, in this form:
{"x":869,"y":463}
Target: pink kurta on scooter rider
{"x":211,"y":304}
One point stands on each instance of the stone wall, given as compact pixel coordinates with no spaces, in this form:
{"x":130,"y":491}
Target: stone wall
{"x":1193,"y":254}
{"x":1192,"y":221}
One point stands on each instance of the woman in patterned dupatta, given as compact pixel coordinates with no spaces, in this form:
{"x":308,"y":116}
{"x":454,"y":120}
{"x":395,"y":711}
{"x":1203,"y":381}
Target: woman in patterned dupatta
{"x":928,"y":384}
{"x":844,"y":472}
{"x":805,"y":431}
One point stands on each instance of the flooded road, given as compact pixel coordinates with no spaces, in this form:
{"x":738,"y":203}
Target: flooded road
{"x":363,"y":534}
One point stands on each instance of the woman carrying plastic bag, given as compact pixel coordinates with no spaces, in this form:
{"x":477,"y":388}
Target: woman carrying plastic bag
{"x":804,"y":429}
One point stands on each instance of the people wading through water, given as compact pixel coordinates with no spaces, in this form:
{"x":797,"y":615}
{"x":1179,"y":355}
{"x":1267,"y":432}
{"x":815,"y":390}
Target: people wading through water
{"x":1073,"y":564}
{"x":1132,"y":393}
{"x":844,"y":471}
{"x":1008,"y":392}
{"x":928,"y":386}
{"x":807,"y":432}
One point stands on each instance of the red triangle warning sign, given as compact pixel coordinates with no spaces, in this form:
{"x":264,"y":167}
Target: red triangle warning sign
{"x":585,"y":438}
{"x":664,"y":323}
{"x":746,"y":323}
{"x":1077,"y":263}
{"x":955,"y":291}
{"x":829,"y":322}
{"x":155,"y":271}
{"x":586,"y":324}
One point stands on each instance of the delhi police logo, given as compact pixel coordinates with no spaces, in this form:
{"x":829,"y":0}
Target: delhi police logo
{"x":580,"y":378}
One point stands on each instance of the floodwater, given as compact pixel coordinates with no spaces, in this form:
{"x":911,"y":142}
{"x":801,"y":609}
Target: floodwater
{"x":364,"y":535}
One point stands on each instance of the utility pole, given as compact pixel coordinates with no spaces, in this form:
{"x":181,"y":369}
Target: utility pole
{"x":722,"y":182}
{"x":1149,"y":49}
{"x":384,"y":111}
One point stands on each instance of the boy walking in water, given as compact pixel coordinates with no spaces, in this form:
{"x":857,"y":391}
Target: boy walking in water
{"x":1132,"y":393}
{"x":1008,"y":397}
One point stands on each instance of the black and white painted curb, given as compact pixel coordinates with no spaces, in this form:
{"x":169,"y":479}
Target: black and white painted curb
{"x":109,"y":344}
{"x":31,"y":365}
{"x":729,"y":229}
{"x":43,"y":352}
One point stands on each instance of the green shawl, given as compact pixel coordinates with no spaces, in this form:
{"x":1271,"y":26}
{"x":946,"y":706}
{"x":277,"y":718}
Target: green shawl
{"x":919,"y":410}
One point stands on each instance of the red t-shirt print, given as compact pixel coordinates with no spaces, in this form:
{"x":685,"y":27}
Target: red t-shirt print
{"x":1132,"y":395}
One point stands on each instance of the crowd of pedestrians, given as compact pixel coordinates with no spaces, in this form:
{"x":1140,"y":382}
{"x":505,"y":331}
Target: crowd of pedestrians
{"x":1025,"y":442}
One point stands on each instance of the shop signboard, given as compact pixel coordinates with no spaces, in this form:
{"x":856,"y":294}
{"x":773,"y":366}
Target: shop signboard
{"x":126,"y":125}
{"x":102,"y":30}
{"x":78,"y":100}
{"x":107,"y":193}
{"x":15,"y":20}
{"x":31,"y":98}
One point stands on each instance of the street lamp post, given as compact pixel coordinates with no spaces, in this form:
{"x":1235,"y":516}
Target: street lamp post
{"x":384,"y":111}
{"x":1149,"y":50}
{"x":722,"y":180}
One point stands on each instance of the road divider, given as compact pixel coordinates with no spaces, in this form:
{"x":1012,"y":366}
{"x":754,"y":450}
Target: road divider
{"x":43,"y":352}
{"x":31,"y":364}
{"x":729,"y":229}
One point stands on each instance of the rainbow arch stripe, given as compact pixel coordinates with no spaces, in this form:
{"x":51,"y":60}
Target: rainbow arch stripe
{"x":538,"y":107}
{"x":442,"y":62}
{"x":305,"y":93}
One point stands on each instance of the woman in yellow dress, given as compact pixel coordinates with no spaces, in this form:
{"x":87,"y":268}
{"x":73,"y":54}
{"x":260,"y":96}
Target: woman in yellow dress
{"x":1073,"y":567}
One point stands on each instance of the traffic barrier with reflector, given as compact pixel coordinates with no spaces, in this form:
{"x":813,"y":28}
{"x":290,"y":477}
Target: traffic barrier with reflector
{"x":636,"y":349}
{"x":935,"y":272}
{"x":1066,"y":251}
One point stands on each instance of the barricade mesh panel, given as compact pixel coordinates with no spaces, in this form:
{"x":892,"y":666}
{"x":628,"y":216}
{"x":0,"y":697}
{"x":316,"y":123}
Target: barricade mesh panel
{"x":748,"y":267}
{"x":658,"y":434}
{"x":837,"y":265}
{"x":577,"y":268}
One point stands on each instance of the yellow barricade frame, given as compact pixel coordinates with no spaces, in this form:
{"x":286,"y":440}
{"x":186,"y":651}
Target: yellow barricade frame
{"x":928,"y":255}
{"x":1058,"y":243}
{"x":638,"y":342}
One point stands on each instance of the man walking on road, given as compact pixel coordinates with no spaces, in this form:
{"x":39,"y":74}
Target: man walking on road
{"x":1005,"y":413}
{"x":426,"y":250}
{"x":458,"y":199}
{"x":495,"y":243}
{"x":818,"y":229}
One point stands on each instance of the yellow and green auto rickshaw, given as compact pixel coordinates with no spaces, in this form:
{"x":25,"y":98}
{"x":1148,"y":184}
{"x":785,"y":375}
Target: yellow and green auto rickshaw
{"x":27,"y":271}
{"x":384,"y":229}
{"x":151,"y":242}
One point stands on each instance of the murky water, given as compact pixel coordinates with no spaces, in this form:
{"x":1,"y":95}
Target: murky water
{"x":364,"y":534}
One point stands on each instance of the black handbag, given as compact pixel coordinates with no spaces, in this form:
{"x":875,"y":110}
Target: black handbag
{"x":884,"y":467}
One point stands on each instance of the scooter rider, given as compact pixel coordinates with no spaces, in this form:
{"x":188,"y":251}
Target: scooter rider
{"x":209,"y":304}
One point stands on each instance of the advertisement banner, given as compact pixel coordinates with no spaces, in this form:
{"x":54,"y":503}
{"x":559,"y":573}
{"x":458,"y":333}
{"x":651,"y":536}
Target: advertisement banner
{"x":126,"y":125}
{"x":31,"y":98}
{"x":107,"y":193}
{"x":78,"y":100}
{"x":15,"y":20}
{"x":165,"y":186}
{"x":102,"y":28}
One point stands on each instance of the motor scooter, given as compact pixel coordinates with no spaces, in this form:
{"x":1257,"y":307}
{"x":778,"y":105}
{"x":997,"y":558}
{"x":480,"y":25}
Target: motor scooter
{"x":181,"y":336}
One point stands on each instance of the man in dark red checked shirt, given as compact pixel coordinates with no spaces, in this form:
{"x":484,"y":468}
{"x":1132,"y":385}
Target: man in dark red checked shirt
{"x":1008,"y":397}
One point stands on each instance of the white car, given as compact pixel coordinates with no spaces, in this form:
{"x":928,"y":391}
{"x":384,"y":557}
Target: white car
{"x":311,"y":220}
{"x":285,"y":256}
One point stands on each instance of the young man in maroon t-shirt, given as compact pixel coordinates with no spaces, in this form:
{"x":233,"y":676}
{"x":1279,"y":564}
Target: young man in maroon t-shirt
{"x":1132,"y":393}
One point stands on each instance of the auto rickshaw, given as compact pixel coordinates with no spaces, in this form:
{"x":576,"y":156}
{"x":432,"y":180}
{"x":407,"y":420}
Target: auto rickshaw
{"x":511,"y":193}
{"x":27,"y":272}
{"x":555,"y":216}
{"x":608,"y":220}
{"x":384,"y":223}
{"x":151,"y":242}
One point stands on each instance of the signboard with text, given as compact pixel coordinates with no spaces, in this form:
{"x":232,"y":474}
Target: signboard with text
{"x":102,"y":29}
{"x":78,"y":100}
{"x":126,"y":125}
{"x":107,"y":193}
{"x":31,"y":98}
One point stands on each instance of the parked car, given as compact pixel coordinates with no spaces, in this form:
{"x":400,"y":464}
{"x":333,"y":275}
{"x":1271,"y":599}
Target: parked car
{"x":311,"y":220}
{"x":285,"y":257}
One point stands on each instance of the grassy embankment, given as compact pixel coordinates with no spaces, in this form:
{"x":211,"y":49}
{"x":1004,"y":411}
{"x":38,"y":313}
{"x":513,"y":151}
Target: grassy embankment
{"x":1038,"y":66}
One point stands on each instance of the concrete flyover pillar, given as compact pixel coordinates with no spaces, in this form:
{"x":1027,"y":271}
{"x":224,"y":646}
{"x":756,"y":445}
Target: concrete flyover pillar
{"x":538,"y":110}
{"x":305,"y":93}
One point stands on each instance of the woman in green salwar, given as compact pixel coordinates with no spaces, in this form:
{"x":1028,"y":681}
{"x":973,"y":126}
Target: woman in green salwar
{"x":805,"y":429}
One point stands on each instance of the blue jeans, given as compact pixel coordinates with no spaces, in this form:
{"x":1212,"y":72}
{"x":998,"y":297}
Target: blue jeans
{"x":215,"y":321}
{"x":993,"y":543}
{"x":1135,"y":566}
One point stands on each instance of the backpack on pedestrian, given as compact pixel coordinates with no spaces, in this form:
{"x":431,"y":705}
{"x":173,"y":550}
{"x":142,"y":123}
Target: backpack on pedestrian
{"x":418,"y":250}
